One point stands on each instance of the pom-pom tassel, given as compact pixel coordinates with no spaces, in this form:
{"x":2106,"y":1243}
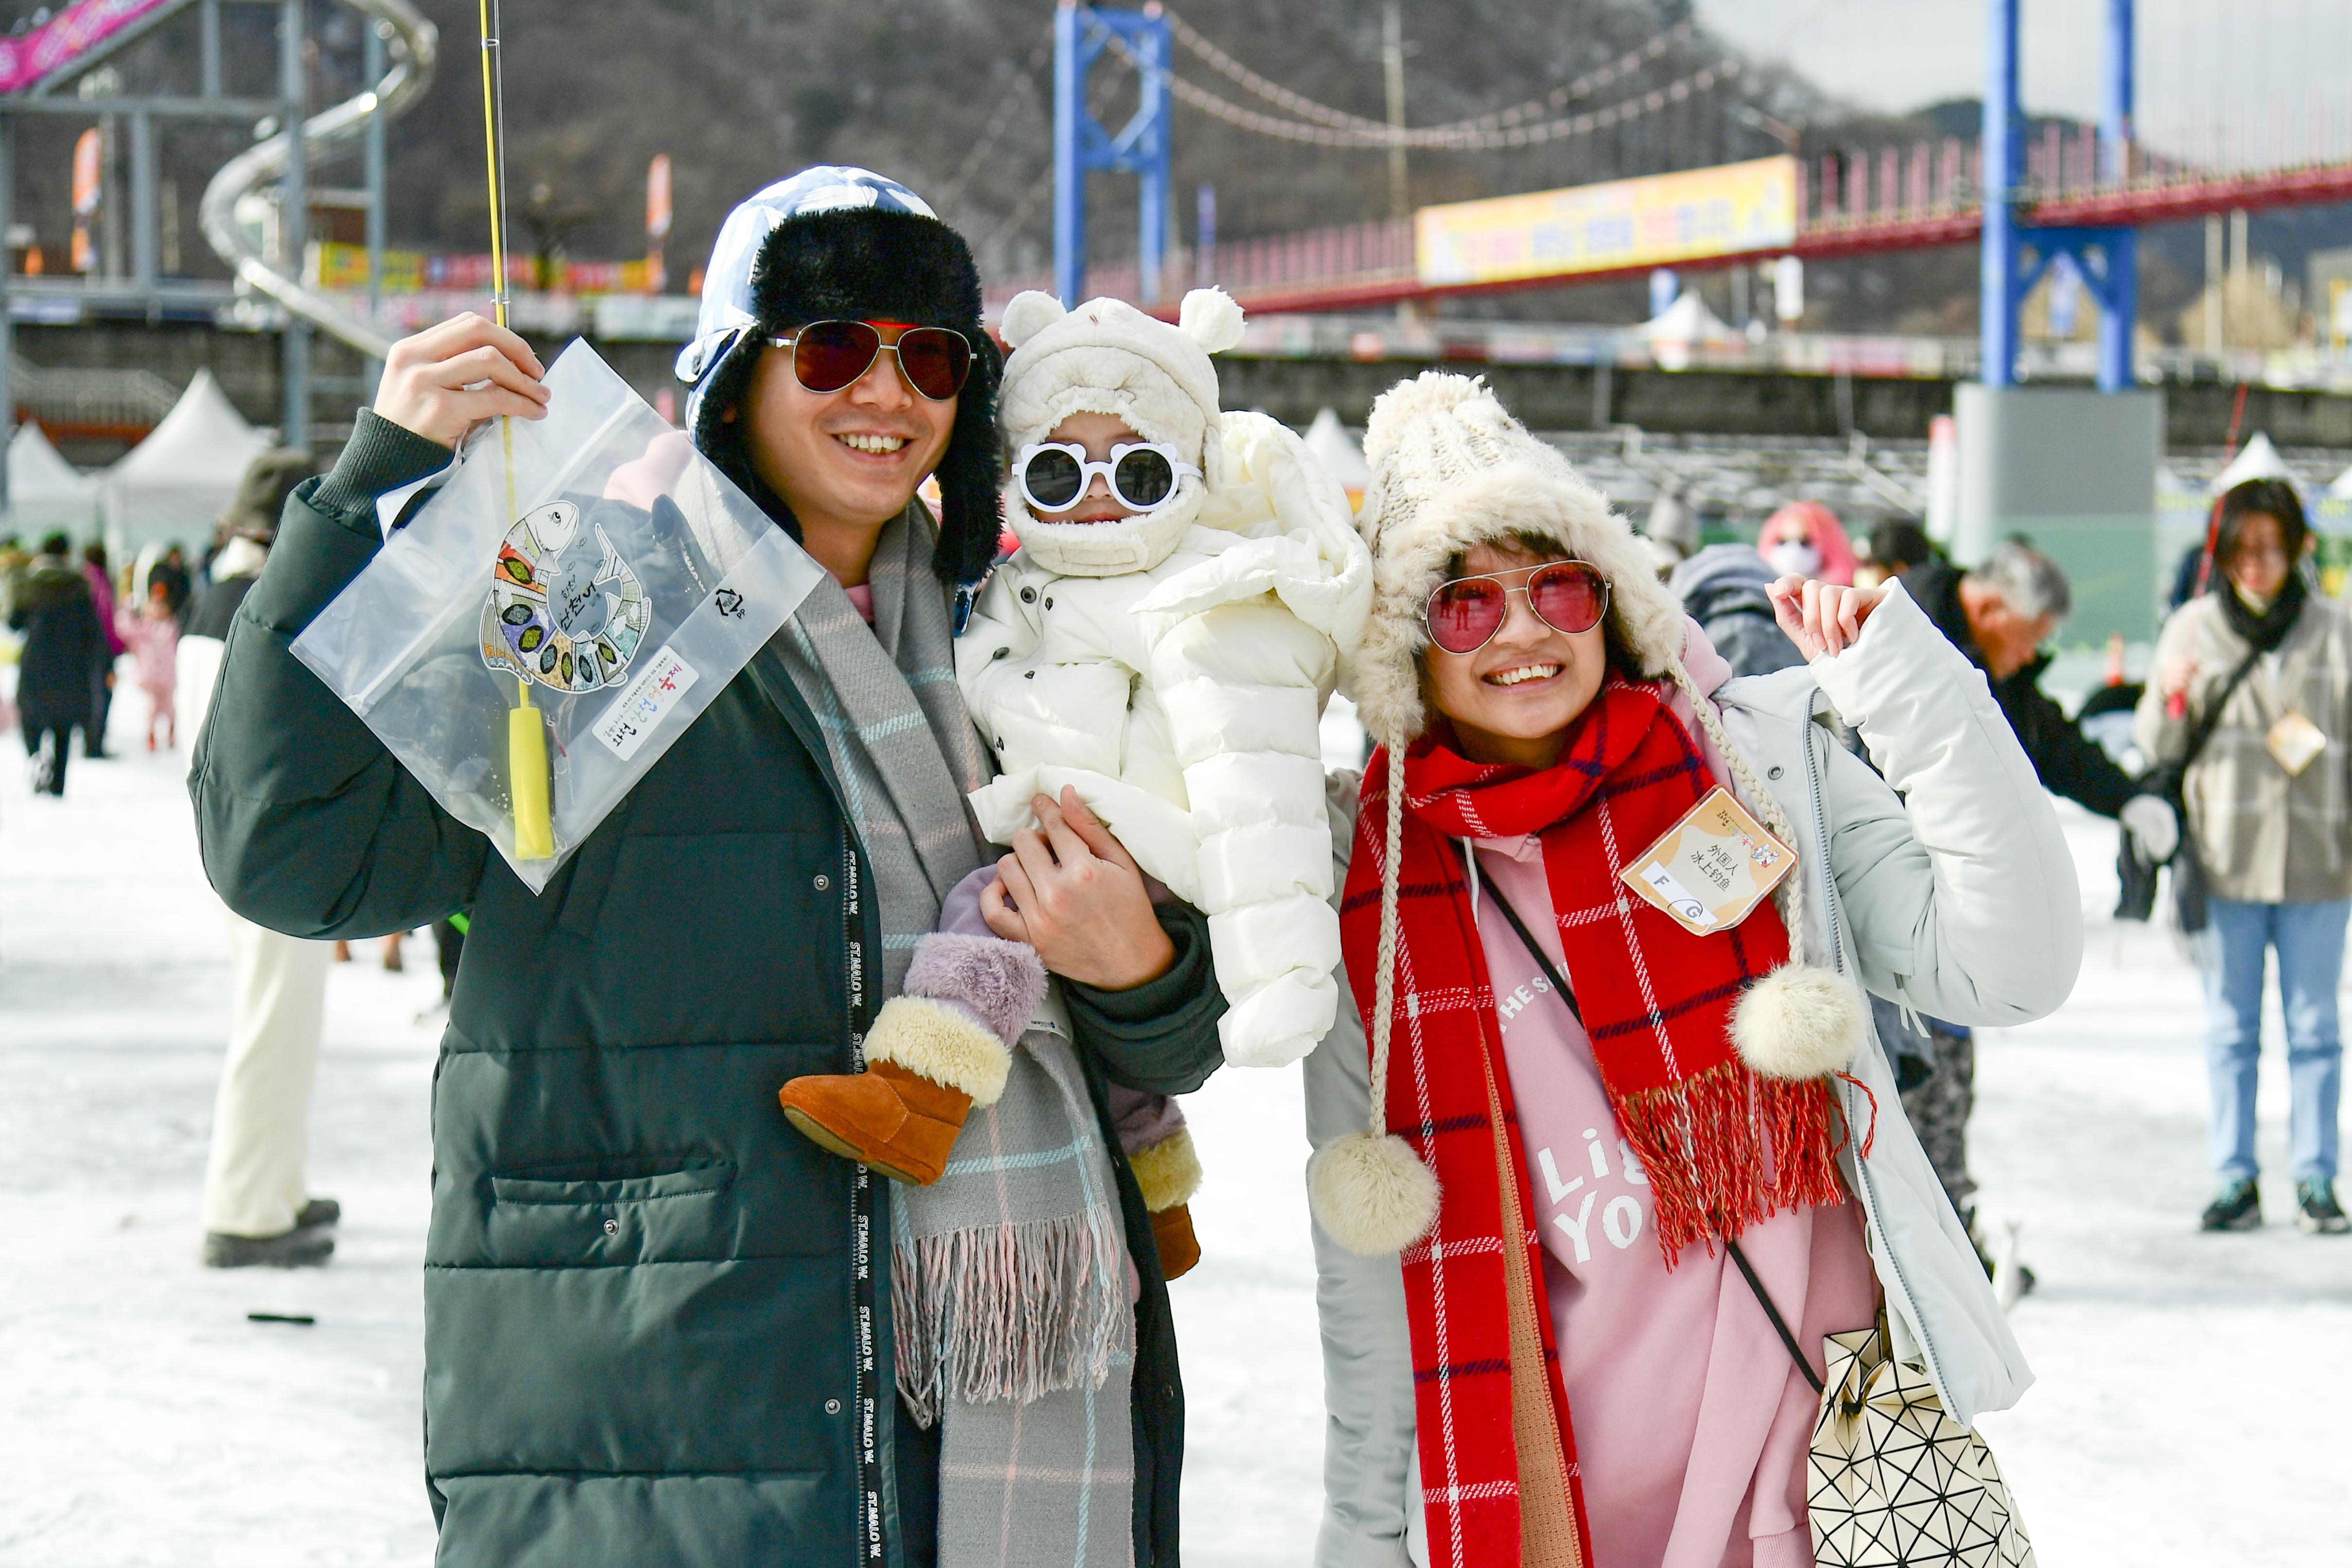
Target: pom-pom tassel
{"x":1372,"y":1193}
{"x":1799,"y":1022}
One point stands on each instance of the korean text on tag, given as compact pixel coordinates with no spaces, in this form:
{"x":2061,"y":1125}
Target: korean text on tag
{"x":1713,"y":867}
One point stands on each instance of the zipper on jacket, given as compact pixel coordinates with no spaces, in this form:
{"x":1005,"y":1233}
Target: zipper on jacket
{"x":865,"y":1402}
{"x":1869,"y":1193}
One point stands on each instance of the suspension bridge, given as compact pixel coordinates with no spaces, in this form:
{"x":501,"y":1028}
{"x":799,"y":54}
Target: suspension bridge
{"x":2081,"y":188}
{"x":2084,"y":187}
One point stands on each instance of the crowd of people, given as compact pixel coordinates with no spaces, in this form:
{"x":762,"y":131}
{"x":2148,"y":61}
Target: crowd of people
{"x":76,"y":618}
{"x":2264,"y":855}
{"x":1632,"y":978}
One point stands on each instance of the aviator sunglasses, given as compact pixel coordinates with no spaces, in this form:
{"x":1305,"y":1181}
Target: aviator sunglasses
{"x":830,"y":355}
{"x":1569,"y":596}
{"x":1142,"y":475}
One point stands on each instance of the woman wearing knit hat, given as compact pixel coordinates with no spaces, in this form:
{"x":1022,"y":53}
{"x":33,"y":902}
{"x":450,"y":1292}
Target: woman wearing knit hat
{"x":1586,"y":1032}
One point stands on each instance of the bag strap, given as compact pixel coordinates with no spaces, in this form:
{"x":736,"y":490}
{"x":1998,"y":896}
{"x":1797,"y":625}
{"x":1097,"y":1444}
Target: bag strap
{"x":1779,"y":1325}
{"x":1535,"y":949}
{"x":1747,"y":1271}
{"x":2210,"y":720}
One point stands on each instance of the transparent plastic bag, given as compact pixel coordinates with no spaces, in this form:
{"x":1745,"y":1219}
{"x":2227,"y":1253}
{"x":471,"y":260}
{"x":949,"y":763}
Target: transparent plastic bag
{"x":553,"y":618}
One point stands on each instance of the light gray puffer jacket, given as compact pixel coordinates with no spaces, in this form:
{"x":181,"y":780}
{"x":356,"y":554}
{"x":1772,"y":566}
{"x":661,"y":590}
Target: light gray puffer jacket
{"x":1949,"y":890}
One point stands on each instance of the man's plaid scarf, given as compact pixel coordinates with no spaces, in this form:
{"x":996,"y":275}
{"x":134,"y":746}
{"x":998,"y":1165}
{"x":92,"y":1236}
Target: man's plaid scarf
{"x":1722,"y":1146}
{"x":1008,"y":1276}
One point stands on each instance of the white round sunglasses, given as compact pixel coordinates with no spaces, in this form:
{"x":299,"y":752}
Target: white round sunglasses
{"x":1055,"y":475}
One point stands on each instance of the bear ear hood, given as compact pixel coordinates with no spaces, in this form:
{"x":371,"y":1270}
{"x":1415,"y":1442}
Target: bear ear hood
{"x":1107,"y":356}
{"x":835,"y":242}
{"x":1030,"y":312}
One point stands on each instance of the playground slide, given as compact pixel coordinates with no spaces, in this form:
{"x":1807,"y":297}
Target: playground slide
{"x":65,"y":43}
{"x":410,"y":47}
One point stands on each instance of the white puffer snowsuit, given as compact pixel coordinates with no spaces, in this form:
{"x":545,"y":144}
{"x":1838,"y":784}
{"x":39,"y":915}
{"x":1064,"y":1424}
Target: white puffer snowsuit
{"x":1185,"y":700}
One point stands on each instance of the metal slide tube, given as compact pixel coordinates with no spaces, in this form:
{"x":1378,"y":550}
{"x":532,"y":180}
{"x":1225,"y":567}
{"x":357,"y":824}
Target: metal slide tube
{"x":414,"y":46}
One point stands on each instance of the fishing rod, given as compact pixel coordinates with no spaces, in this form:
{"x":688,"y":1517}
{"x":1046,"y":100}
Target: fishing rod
{"x":527,"y":773}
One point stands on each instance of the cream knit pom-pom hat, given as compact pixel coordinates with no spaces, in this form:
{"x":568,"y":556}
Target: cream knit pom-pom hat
{"x":1451,"y":468}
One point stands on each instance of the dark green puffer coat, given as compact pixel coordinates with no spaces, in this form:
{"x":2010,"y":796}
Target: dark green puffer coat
{"x":640,"y":1329}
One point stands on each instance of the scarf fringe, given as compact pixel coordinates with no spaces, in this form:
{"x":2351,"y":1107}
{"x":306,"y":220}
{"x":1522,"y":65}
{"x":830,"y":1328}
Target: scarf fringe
{"x":1729,"y":1149}
{"x":1005,"y":1312}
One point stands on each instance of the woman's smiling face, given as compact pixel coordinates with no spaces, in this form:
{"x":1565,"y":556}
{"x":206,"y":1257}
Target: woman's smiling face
{"x":1513,"y":700}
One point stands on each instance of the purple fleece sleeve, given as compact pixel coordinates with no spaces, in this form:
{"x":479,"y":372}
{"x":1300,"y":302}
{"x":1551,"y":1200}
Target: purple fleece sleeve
{"x":1142,"y":1119}
{"x":998,"y":983}
{"x":960,"y":914}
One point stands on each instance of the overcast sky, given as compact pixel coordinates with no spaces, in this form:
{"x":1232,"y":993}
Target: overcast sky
{"x":2199,"y":61}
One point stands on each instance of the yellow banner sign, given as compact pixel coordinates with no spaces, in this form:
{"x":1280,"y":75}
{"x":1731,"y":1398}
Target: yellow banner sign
{"x":1654,"y":221}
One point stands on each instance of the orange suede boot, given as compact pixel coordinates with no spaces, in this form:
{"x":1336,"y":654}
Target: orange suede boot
{"x":932,"y":1055}
{"x":1168,"y":1173}
{"x":1172,"y":1232}
{"x":886,"y":1118}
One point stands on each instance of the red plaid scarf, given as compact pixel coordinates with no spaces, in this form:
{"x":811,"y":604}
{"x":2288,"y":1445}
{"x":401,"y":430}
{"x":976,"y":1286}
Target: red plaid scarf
{"x":1722,"y":1146}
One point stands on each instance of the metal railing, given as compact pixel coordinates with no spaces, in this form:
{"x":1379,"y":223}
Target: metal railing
{"x":91,"y":395}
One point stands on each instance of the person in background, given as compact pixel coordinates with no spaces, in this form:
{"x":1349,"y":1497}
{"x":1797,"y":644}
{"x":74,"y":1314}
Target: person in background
{"x":390,"y":945}
{"x":63,"y":643}
{"x":449,"y":948}
{"x":1725,"y":588}
{"x":172,"y":571}
{"x":1894,"y":548}
{"x":110,"y":648}
{"x":151,"y":633}
{"x":1999,"y":615}
{"x":1803,"y":539}
{"x":1670,"y":531}
{"x":258,"y":1206}
{"x":2270,"y":815}
{"x":15,"y":561}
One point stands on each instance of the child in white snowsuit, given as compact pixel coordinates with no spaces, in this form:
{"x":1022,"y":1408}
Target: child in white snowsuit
{"x":1167,"y":635}
{"x":1164,"y":640}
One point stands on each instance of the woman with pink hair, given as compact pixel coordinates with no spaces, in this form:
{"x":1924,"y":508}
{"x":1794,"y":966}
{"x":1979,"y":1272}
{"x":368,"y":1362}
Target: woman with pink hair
{"x":1803,"y":539}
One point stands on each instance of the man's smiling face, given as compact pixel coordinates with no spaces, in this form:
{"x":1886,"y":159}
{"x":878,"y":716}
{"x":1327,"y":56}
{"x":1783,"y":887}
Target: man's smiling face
{"x":848,"y":459}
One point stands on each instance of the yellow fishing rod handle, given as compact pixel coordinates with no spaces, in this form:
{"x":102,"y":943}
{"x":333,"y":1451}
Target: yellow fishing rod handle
{"x":527,"y":781}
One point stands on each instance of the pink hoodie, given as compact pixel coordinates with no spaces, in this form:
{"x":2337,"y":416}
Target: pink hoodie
{"x":1691,"y":1422}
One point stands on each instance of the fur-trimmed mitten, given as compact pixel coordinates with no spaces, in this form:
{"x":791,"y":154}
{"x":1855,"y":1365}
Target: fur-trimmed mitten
{"x":940,"y":1048}
{"x":1158,"y":1149}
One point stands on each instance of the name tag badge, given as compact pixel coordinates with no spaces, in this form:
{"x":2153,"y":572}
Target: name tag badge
{"x":1713,"y":867}
{"x":2294,"y":742}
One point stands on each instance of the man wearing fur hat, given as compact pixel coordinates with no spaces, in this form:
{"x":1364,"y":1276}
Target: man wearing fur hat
{"x":657,"y":1328}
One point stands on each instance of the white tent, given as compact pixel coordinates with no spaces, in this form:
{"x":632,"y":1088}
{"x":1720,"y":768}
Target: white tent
{"x":2257,"y":459}
{"x":1686,"y":325}
{"x":2342,"y":485}
{"x":174,"y":483}
{"x":44,"y":492}
{"x":1327,"y":438}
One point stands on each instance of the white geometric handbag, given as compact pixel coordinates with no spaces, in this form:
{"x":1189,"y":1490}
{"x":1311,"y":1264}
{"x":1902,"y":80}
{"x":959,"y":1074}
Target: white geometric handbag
{"x":1893,"y":1480}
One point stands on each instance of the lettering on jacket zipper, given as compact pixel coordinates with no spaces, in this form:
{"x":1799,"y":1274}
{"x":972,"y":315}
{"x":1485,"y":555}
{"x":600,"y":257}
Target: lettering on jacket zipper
{"x":861,"y":1223}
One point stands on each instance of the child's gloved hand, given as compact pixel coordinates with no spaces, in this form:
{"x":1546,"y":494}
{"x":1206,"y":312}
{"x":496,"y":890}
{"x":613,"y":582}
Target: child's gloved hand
{"x":1069,"y":890}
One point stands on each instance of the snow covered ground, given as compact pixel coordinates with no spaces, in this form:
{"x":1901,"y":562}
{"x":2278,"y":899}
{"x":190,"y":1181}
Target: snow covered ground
{"x":2192,"y":1408}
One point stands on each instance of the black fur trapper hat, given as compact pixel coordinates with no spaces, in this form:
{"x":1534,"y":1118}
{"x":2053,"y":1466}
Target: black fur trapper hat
{"x":840,"y":244}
